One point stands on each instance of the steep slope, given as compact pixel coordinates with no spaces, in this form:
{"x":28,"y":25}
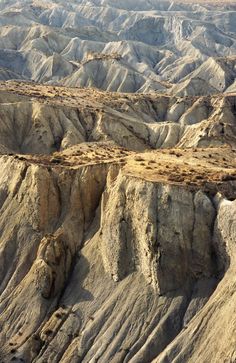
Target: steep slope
{"x":103,"y":265}
{"x":108,"y":75}
{"x":219,"y":312}
{"x":43,"y":119}
{"x":215,"y":76}
{"x":117,"y":181}
{"x":164,"y":46}
{"x":112,"y":251}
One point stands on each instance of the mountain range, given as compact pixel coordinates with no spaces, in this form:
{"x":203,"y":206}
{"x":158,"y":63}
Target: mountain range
{"x":117,"y":181}
{"x":125,"y":46}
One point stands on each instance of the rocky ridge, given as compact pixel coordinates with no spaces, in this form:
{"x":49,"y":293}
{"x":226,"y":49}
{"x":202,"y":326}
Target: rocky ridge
{"x":44,"y":119}
{"x":117,"y":226}
{"x":179,"y":47}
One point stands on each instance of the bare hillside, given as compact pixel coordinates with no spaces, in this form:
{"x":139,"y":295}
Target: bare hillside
{"x":117,"y":181}
{"x":117,"y":229}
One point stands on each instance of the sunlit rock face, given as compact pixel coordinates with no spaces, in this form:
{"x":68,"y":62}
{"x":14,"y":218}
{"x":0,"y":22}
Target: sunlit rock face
{"x":180,"y":48}
{"x":117,"y":209}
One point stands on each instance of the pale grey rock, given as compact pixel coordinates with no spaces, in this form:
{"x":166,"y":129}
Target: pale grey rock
{"x":97,"y":264}
{"x":220,"y":309}
{"x":101,"y":265}
{"x":166,"y":47}
{"x":137,"y":233}
{"x":39,"y":124}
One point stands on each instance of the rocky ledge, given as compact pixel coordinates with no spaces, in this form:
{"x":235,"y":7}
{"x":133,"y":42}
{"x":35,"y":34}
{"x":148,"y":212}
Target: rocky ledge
{"x":118,"y":258}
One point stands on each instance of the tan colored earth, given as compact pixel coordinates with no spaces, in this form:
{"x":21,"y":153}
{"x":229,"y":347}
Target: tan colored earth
{"x":116,"y":247}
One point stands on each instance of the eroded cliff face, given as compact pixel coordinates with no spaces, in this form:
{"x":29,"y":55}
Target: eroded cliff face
{"x":152,"y":227}
{"x":106,"y":260}
{"x":212,"y":331}
{"x":45,"y":212}
{"x":38,"y":119}
{"x":117,"y":216}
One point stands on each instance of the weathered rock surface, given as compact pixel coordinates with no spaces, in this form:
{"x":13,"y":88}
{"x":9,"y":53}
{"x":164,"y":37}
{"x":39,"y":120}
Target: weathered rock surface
{"x":117,"y":210}
{"x":179,"y":47}
{"x":209,"y":332}
{"x":111,"y":259}
{"x":43,"y":119}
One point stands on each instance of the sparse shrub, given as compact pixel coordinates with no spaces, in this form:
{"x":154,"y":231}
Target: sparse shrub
{"x":198,"y":177}
{"x":58,"y":315}
{"x":55,"y":160}
{"x":176,"y":177}
{"x":228,"y":177}
{"x":48,"y":332}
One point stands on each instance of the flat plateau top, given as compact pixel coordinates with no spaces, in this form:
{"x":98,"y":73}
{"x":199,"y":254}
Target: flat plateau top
{"x":212,"y":170}
{"x":87,"y":97}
